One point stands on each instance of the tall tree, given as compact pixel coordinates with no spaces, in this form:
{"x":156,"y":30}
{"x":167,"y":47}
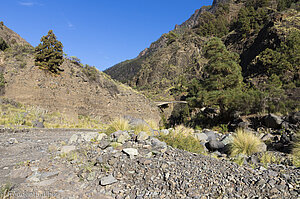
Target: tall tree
{"x":49,"y":53}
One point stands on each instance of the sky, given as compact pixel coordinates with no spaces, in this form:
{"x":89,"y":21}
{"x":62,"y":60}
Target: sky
{"x":100,"y":33}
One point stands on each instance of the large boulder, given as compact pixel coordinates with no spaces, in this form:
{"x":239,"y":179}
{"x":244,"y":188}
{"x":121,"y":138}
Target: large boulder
{"x":215,"y":145}
{"x":201,"y":137}
{"x":272,"y":121}
{"x":212,"y":135}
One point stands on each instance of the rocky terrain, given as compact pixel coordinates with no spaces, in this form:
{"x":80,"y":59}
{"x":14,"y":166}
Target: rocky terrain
{"x":81,"y":164}
{"x":79,"y":90}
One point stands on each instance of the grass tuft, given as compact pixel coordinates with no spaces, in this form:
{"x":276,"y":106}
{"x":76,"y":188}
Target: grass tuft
{"x":296,"y":151}
{"x":268,"y":158}
{"x":182,"y":138}
{"x":118,"y":124}
{"x":4,"y":190}
{"x":245,"y":143}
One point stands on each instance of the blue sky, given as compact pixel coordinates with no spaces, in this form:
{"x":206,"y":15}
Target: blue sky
{"x":99,"y":32}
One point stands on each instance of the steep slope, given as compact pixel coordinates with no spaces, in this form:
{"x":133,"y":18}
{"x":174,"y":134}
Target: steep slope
{"x":177,"y":56}
{"x":77,"y":91}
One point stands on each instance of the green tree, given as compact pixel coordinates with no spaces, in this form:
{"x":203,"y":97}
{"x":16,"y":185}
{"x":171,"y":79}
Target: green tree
{"x":3,"y":44}
{"x":49,"y":53}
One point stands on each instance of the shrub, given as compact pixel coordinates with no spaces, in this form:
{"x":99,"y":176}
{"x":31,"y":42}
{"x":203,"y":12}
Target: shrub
{"x":245,"y":143}
{"x":3,"y":44}
{"x":91,"y":72}
{"x":183,"y":139}
{"x":2,"y":80}
{"x":296,"y":151}
{"x":118,"y":124}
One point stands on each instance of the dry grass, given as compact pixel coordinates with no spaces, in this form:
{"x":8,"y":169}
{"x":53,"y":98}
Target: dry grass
{"x":245,"y":143}
{"x":142,"y":127}
{"x":4,"y":190}
{"x":118,"y":124}
{"x":268,"y":158}
{"x":296,"y":151}
{"x":183,"y":131}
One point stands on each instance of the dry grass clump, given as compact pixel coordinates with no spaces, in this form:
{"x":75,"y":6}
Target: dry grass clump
{"x":296,"y":151}
{"x":118,"y":123}
{"x":245,"y":143}
{"x":142,"y":127}
{"x":268,"y":158}
{"x":183,"y":139}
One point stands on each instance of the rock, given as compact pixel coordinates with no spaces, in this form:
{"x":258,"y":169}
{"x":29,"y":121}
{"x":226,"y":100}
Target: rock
{"x":22,"y":172}
{"x":67,"y":149}
{"x":13,"y":141}
{"x":131,"y":151}
{"x":214,"y":145}
{"x":228,"y":139}
{"x":103,"y":144}
{"x":108,"y":180}
{"x":267,"y":137}
{"x":48,"y":175}
{"x":73,"y":139}
{"x":34,"y":178}
{"x":212,"y":135}
{"x":101,"y":136}
{"x":272,"y":121}
{"x":38,"y":124}
{"x":164,"y":132}
{"x":262,"y":147}
{"x":45,"y":183}
{"x":157,"y":143}
{"x":254,"y":159}
{"x":294,"y":118}
{"x":89,"y":136}
{"x":142,"y":136}
{"x":120,"y":136}
{"x":201,"y":137}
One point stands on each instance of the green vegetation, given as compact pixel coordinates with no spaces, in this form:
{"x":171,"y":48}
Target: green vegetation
{"x":245,"y":143}
{"x":49,"y":53}
{"x":3,"y":44}
{"x":2,"y":80}
{"x":214,"y":24}
{"x":284,"y":4}
{"x":268,"y":158}
{"x":183,"y":139}
{"x":171,"y":36}
{"x":91,"y":72}
{"x":284,"y":60}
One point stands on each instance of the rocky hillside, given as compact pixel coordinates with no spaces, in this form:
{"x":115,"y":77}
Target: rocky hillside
{"x":246,"y":27}
{"x":79,"y":90}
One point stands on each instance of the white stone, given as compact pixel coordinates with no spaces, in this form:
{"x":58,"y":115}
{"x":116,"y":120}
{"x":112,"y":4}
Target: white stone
{"x":131,"y":151}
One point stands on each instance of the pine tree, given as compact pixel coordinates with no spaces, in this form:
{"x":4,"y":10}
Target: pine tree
{"x":49,"y":53}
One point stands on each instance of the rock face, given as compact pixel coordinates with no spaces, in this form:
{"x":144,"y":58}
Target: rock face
{"x":73,"y":93}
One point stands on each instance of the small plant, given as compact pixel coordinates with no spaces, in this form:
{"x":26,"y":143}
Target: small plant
{"x":2,"y":80}
{"x":268,"y":158}
{"x":118,"y":124}
{"x":245,"y":143}
{"x":142,"y":127}
{"x":4,"y":191}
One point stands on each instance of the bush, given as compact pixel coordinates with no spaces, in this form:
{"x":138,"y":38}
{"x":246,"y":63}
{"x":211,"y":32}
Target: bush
{"x":182,"y":138}
{"x":268,"y":158}
{"x":245,"y":143}
{"x":2,"y":80}
{"x":91,"y":72}
{"x":3,"y":44}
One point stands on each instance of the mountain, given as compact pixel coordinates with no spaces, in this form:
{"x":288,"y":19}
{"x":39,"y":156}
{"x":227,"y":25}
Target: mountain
{"x":246,"y":27}
{"x":79,"y":90}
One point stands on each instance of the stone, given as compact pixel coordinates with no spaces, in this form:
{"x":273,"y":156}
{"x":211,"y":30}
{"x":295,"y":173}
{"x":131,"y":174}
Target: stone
{"x":272,"y":121}
{"x":131,"y":151}
{"x":89,"y":136}
{"x":108,"y":180}
{"x":120,"y":136}
{"x":267,"y":137}
{"x":228,"y":139}
{"x":101,"y":136}
{"x":22,"y":172}
{"x":142,"y":136}
{"x":262,"y":147}
{"x":38,"y":124}
{"x":201,"y":137}
{"x":73,"y":139}
{"x":13,"y":141}
{"x":214,"y":145}
{"x":48,"y":175}
{"x":164,"y":132}
{"x":67,"y":149}
{"x":103,"y":144}
{"x":157,"y":143}
{"x":212,"y":135}
{"x":45,"y":183}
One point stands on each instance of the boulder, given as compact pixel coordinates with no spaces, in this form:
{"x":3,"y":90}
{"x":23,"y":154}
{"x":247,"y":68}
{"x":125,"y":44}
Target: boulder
{"x":89,"y":136}
{"x":272,"y":121}
{"x":73,"y":139}
{"x":212,"y":135}
{"x":157,"y":143}
{"x":214,"y":145}
{"x":228,"y":139}
{"x":262,"y":147}
{"x":201,"y":137}
{"x":120,"y":136}
{"x":164,"y":132}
